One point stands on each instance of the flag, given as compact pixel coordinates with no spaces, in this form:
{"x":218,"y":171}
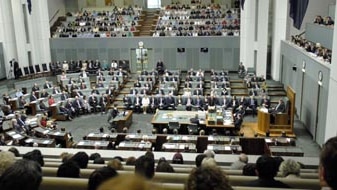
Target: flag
{"x":29,"y":5}
{"x":297,"y":11}
{"x":242,"y":3}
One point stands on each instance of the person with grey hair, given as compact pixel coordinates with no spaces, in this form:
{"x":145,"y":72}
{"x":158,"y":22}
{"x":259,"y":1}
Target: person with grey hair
{"x":209,"y":153}
{"x":290,"y":169}
{"x":239,"y":164}
{"x":6,"y":160}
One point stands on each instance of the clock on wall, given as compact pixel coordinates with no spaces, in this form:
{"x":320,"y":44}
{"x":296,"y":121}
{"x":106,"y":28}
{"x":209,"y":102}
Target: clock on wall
{"x":140,"y":43}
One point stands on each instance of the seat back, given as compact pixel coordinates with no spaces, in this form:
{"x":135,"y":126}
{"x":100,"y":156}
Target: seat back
{"x":31,"y":70}
{"x":173,"y":125}
{"x":44,"y":67}
{"x":26,"y":70}
{"x":37,"y":68}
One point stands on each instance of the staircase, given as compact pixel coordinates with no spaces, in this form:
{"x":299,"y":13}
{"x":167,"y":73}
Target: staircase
{"x":148,"y":22}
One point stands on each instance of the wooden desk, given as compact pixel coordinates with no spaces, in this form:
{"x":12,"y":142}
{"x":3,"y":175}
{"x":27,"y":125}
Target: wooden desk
{"x":139,"y":137}
{"x":101,"y":137}
{"x":263,"y":121}
{"x":124,"y":119}
{"x":87,"y":144}
{"x":129,"y":145}
{"x":13,"y":103}
{"x":181,"y":147}
{"x":220,"y":120}
{"x":225,"y":149}
{"x":286,"y":151}
{"x":32,"y":107}
{"x":13,"y":135}
{"x":54,"y":134}
{"x":182,"y":138}
{"x":42,"y":142}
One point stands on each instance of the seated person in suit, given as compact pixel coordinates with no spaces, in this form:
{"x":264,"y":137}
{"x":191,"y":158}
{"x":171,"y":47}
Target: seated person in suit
{"x":94,"y":90}
{"x":100,"y":84}
{"x":188,"y":103}
{"x":252,"y":104}
{"x":224,"y":102}
{"x":243,"y":102}
{"x":101,"y":78}
{"x":126,"y":102}
{"x":133,"y":91}
{"x":212,"y":102}
{"x":198,"y":103}
{"x":78,"y":105}
{"x":224,"y":92}
{"x":161,"y":102}
{"x":234,"y":104}
{"x":197,"y":92}
{"x":153,"y":104}
{"x":47,"y":85}
{"x":64,"y":96}
{"x":6,"y":98}
{"x":280,"y":107}
{"x":83,"y":74}
{"x":22,"y":102}
{"x":93,"y":102}
{"x":113,"y":113}
{"x":170,"y":102}
{"x":137,"y":104}
{"x":70,"y":107}
{"x":35,"y":88}
{"x":33,"y":97}
{"x":265,"y":102}
{"x":56,"y":90}
{"x":103,"y":102}
{"x":65,"y":111}
{"x":44,"y":94}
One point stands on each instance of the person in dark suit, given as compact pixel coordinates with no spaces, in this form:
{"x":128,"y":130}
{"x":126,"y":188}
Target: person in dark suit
{"x":100,"y":84}
{"x":252,"y":104}
{"x":133,"y":91}
{"x":137,"y":84}
{"x":265,"y":102}
{"x":238,"y":122}
{"x":47,"y":85}
{"x":70,"y":107}
{"x":170,"y":102}
{"x":64,"y":96}
{"x":161,"y":102}
{"x":44,"y":94}
{"x":188,"y":85}
{"x":137,"y":104}
{"x":56,"y":91}
{"x":280,"y":107}
{"x":94,"y":90}
{"x":103,"y":102}
{"x":243,"y":102}
{"x":224,"y":92}
{"x":78,"y":105}
{"x":110,"y":91}
{"x":33,"y":97}
{"x":93,"y":102}
{"x":224,"y":102}
{"x":126,"y":102}
{"x":35,"y":88}
{"x":197,"y":92}
{"x":234,"y":104}
{"x":267,"y":168}
{"x":198,"y":103}
{"x":153,"y":104}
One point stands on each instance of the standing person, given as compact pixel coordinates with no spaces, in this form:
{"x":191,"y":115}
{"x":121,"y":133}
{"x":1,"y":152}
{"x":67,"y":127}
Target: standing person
{"x":160,"y":67}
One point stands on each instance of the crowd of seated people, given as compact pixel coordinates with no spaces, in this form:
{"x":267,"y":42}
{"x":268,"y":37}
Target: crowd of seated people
{"x":312,"y":48}
{"x":88,"y":66}
{"x":327,"y":21}
{"x":118,"y":22}
{"x":200,"y":20}
{"x":206,"y":174}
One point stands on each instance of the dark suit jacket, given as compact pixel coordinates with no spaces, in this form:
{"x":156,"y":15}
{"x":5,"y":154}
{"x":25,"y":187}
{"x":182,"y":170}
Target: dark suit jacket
{"x":32,"y":98}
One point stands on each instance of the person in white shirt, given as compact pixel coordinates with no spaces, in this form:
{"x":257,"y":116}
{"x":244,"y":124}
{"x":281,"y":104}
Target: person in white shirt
{"x":145,"y":103}
{"x":18,"y":93}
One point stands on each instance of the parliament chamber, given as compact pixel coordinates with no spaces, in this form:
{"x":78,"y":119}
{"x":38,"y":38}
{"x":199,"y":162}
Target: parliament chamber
{"x":122,"y":79}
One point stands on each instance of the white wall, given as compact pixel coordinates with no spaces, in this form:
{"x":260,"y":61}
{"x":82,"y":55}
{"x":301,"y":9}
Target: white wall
{"x":315,"y":7}
{"x":55,"y":6}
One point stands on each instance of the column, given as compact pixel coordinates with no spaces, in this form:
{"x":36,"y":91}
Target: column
{"x":280,"y":18}
{"x":331,"y":128}
{"x":38,"y":22}
{"x":262,"y":37}
{"x":247,"y":34}
{"x":20,"y":31}
{"x":7,"y":34}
